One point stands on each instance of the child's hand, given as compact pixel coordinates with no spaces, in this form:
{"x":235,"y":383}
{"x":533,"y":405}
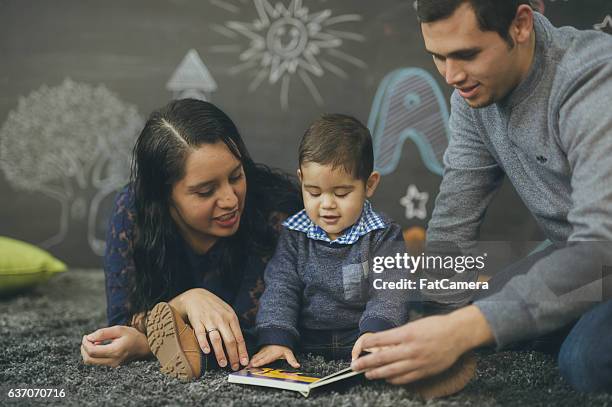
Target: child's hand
{"x":357,"y":348}
{"x":270,"y":353}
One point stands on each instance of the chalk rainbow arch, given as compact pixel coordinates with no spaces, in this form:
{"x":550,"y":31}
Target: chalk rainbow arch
{"x":409,"y":104}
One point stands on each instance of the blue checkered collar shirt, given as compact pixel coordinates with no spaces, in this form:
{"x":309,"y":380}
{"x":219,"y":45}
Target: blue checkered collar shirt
{"x":368,"y":221}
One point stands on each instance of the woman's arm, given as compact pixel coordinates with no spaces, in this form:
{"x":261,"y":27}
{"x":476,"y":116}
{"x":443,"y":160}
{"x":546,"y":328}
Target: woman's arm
{"x":124,"y":339}
{"x":119,"y":258}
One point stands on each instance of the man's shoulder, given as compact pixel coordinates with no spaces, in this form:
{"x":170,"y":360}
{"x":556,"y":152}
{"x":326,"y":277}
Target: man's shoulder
{"x":574,"y":54}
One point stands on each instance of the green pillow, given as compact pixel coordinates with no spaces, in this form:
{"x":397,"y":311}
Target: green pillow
{"x":23,"y":265}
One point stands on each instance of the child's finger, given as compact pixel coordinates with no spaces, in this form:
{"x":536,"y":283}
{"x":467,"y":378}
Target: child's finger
{"x":254,"y":359}
{"x":289,"y":357}
{"x":265,"y":358}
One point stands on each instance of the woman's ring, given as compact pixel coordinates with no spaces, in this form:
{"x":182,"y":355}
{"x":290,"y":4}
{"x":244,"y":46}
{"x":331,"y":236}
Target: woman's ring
{"x":208,"y":331}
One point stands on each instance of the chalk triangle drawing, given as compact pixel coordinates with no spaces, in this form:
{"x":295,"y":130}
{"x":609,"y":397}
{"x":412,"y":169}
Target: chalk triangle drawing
{"x":192,"y":78}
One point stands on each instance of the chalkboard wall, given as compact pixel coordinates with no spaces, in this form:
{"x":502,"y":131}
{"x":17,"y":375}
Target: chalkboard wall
{"x":79,"y":77}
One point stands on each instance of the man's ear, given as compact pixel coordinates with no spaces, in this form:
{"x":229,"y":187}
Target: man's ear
{"x":299,"y":174}
{"x":372,"y":183}
{"x":522,"y":26}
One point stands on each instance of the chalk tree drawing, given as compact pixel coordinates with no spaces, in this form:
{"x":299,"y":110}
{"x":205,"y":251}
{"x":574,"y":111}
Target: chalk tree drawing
{"x":191,"y":79}
{"x":409,"y":104}
{"x":605,"y":25}
{"x":72,"y":143}
{"x":285,"y":41}
{"x":415,"y":203}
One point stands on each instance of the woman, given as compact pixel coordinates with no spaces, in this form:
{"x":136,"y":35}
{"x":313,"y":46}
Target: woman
{"x":188,"y":232}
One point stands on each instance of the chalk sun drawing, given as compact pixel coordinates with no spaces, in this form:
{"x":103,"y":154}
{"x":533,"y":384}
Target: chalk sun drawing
{"x":71,"y":143}
{"x":288,"y":41}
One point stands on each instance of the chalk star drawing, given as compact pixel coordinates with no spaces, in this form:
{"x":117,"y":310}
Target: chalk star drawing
{"x":191,"y":79}
{"x":71,"y":142}
{"x":415,"y":202}
{"x":287,"y":41}
{"x":605,"y":25}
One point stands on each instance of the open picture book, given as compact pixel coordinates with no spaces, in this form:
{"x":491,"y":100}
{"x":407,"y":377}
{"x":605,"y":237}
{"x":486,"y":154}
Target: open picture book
{"x":287,"y":379}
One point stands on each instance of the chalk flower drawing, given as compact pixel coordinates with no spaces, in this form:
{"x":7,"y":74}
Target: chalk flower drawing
{"x":287,"y":41}
{"x":72,"y":143}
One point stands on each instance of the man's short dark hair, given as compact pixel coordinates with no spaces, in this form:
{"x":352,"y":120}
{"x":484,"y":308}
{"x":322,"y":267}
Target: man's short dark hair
{"x":492,"y":15}
{"x":340,"y":141}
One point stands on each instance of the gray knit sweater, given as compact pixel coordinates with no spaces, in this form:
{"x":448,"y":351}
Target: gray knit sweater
{"x":552,"y":137}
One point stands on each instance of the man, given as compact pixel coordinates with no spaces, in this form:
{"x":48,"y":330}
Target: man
{"x":532,"y":102}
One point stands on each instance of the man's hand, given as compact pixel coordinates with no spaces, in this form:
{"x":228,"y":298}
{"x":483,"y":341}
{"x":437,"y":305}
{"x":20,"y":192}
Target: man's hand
{"x":424,"y":347}
{"x":270,"y":353}
{"x":358,"y":347}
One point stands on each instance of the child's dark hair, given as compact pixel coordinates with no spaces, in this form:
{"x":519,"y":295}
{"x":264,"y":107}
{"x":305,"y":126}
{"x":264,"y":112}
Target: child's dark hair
{"x":341,"y":141}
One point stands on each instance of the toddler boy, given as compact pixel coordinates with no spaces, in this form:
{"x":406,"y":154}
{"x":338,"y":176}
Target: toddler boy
{"x":319,"y":292}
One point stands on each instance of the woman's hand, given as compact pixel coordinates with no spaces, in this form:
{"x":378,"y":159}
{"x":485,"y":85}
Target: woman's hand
{"x":270,"y":353}
{"x":208,"y":314}
{"x":126,"y":343}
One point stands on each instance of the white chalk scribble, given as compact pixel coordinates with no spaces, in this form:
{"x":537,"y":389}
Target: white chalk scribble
{"x":285,"y":41}
{"x":72,"y":143}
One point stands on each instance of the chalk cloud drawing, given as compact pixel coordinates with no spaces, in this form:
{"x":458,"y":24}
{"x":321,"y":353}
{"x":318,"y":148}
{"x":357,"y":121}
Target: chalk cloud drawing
{"x":605,"y":25}
{"x":415,"y":203}
{"x":409,"y":104}
{"x":285,"y":41}
{"x":72,"y":143}
{"x":191,"y":79}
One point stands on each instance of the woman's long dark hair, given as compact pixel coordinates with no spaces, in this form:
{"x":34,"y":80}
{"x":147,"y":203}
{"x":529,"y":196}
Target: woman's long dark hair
{"x":159,"y":162}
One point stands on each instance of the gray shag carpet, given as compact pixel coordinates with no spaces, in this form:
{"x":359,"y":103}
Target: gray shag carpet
{"x":41,"y":331}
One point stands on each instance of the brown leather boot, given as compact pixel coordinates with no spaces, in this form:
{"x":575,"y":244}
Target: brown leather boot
{"x":173,"y":342}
